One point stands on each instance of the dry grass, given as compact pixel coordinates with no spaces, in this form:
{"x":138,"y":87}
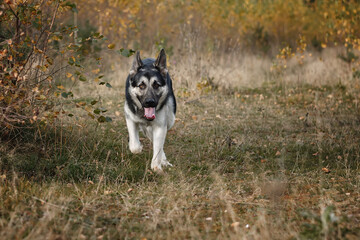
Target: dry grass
{"x":250,"y":162}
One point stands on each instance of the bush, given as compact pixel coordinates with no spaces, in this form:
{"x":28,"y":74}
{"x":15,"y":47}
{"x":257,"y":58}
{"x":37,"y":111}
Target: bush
{"x":35,"y":47}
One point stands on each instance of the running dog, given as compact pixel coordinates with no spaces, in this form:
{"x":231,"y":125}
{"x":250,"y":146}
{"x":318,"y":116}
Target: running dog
{"x":150,"y":106}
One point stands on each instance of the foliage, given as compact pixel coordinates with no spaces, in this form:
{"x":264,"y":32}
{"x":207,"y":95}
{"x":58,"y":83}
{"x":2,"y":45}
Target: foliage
{"x":41,"y":59}
{"x":229,"y":24}
{"x":26,"y":67}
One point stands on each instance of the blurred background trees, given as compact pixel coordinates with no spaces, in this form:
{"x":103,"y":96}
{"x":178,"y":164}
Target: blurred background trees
{"x":259,"y":26}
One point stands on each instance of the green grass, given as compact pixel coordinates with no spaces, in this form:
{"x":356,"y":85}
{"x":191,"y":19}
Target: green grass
{"x":247,"y":165}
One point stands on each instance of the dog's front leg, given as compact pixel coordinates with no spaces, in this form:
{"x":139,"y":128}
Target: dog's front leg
{"x":134,"y":142}
{"x":159,"y":158}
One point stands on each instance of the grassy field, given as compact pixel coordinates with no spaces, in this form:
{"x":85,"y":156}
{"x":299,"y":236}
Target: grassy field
{"x":271,"y":160}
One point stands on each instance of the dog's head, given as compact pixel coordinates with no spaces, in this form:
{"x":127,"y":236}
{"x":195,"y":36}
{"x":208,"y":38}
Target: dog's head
{"x":148,"y":87}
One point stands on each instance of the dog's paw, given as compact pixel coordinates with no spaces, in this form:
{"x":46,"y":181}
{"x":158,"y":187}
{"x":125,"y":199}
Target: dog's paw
{"x":158,"y":167}
{"x":165,"y":163}
{"x":135,"y":148}
{"x":158,"y":170}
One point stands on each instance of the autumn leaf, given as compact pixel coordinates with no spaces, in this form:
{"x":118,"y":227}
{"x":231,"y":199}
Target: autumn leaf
{"x":81,"y":103}
{"x":235,"y":224}
{"x":82,"y":78}
{"x":126,"y":52}
{"x":50,"y":60}
{"x":95,"y":71}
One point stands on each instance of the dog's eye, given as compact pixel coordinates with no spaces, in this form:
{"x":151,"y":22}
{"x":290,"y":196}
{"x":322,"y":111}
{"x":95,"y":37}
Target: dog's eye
{"x":156,"y":85}
{"x":142,"y":86}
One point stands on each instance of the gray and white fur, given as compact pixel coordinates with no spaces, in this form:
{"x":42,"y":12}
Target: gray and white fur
{"x":150,"y":106}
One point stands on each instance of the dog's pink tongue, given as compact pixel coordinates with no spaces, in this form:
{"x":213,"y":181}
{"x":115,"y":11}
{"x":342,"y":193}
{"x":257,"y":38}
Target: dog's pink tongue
{"x":149,"y":113}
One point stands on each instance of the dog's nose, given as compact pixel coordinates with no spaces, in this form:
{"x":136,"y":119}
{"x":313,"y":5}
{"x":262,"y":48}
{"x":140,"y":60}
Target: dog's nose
{"x":150,"y":103}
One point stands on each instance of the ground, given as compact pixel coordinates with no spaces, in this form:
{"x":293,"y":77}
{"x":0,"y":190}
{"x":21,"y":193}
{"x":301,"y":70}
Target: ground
{"x":274,"y":162}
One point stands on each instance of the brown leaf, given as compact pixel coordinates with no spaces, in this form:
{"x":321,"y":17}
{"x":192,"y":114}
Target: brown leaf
{"x":235,"y":224}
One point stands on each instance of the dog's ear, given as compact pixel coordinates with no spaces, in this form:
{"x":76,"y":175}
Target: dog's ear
{"x":160,"y":63}
{"x":137,"y":63}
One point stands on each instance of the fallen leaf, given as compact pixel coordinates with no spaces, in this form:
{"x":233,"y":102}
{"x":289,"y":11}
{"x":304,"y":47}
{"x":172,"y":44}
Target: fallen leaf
{"x":95,"y":71}
{"x":278,"y":153}
{"x":235,"y":224}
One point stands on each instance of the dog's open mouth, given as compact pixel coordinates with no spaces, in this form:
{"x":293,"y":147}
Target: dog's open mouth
{"x":149,"y":113}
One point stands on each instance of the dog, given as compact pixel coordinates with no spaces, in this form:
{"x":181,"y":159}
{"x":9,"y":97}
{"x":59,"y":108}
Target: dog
{"x":150,"y":106}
